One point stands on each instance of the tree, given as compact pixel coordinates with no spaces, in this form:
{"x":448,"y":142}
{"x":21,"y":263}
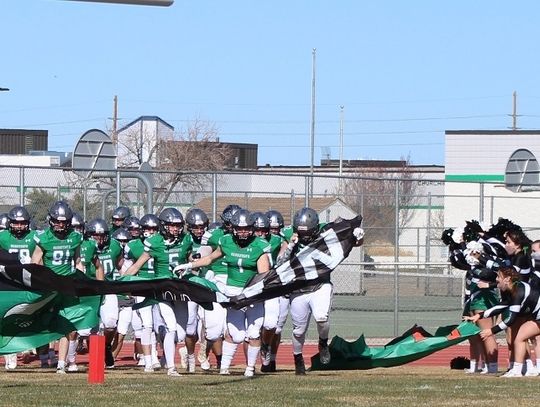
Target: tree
{"x":179,"y":159}
{"x":372,"y":193}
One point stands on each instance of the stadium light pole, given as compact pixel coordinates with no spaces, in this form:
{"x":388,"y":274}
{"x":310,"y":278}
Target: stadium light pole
{"x":312,"y":132}
{"x":162,"y":3}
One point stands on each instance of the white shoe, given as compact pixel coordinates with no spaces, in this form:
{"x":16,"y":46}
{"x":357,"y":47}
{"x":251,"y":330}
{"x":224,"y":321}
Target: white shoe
{"x":60,"y":370}
{"x":512,"y":373}
{"x":250,"y":371}
{"x":224,"y":372}
{"x":531,"y":372}
{"x":141,"y":360}
{"x":72,"y":367}
{"x":11,"y":361}
{"x":205,"y":365}
{"x":156,"y":365}
{"x":149,"y":369}
{"x":183,"y":357}
{"x":173,"y":372}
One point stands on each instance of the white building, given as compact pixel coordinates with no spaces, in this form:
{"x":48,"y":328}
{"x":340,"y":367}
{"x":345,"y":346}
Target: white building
{"x":138,"y":141}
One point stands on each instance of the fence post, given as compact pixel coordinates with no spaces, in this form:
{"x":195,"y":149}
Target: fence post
{"x":307,"y":192}
{"x":427,"y":289}
{"x":396,"y":260}
{"x":481,"y":203}
{"x":214,"y":197}
{"x":21,"y":185}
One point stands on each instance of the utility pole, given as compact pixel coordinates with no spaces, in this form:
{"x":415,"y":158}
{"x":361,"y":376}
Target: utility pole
{"x":115,"y":121}
{"x":341,"y":116}
{"x":314,"y":52}
{"x":514,"y":111}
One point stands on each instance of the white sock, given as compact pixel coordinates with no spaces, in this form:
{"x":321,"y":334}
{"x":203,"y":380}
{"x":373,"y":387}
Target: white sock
{"x":472,"y":368}
{"x":252,"y":354}
{"x":169,"y":348}
{"x":72,"y":351}
{"x":148,"y":361}
{"x":229,"y":349}
{"x":517,"y":367}
{"x":61,"y":364}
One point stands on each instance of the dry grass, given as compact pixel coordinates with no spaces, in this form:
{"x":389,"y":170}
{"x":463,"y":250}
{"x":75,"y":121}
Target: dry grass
{"x":403,"y":386}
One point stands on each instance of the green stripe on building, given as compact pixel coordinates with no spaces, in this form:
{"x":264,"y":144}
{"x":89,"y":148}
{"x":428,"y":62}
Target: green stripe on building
{"x":474,"y":177}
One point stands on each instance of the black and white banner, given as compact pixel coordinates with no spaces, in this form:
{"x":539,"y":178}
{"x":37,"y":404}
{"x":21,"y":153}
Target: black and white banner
{"x":307,"y":267}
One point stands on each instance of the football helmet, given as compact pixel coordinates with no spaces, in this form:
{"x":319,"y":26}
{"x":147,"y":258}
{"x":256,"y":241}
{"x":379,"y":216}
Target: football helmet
{"x":261,"y":224}
{"x":4,"y":221}
{"x":59,"y":217}
{"x":276,"y":221}
{"x":19,"y":221}
{"x":306,"y":225}
{"x":197,"y":222}
{"x":77,"y":223}
{"x":172,"y":223}
{"x":227,"y":214}
{"x":149,"y":225}
{"x":242,"y":227}
{"x":122,"y":236}
{"x":120,"y":214}
{"x":98,"y":230}
{"x":133,"y":226}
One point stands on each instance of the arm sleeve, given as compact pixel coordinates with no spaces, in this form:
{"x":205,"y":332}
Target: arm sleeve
{"x":513,"y":310}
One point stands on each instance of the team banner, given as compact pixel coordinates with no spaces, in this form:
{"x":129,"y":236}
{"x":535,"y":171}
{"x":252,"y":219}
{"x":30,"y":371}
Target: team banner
{"x":36,"y":277}
{"x":312,"y":263}
{"x":414,"y":344}
{"x":29,"y":319}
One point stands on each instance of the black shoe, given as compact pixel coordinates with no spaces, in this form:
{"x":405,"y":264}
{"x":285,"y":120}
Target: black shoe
{"x":299,"y":366}
{"x":324,"y":352}
{"x":266,"y":368}
{"x":109,"y":358}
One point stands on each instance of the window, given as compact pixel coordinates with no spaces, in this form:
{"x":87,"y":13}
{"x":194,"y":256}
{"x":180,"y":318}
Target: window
{"x":522,"y":172}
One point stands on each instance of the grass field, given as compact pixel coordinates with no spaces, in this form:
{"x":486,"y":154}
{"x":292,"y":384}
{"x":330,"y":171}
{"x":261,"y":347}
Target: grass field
{"x":402,"y":386}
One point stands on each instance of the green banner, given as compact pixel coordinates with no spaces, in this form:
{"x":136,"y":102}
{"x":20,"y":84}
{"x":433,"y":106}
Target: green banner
{"x":414,"y":344}
{"x":29,"y":319}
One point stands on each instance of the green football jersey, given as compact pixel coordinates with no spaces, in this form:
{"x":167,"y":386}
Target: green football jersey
{"x":156,"y":248}
{"x":132,"y":251}
{"x":24,"y":247}
{"x":88,"y":253}
{"x":108,"y":257}
{"x":179,"y":250}
{"x":211,"y":238}
{"x":242,"y":261}
{"x":275,"y":246}
{"x":58,"y":254}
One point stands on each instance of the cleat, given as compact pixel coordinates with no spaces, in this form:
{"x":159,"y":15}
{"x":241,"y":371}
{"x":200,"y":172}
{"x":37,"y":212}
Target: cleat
{"x":512,"y":373}
{"x":149,"y":369}
{"x":172,"y":372}
{"x":266,"y":368}
{"x":324,"y":352}
{"x":205,"y":365}
{"x":109,"y":358}
{"x":60,"y":370}
{"x":156,"y":365}
{"x":72,"y":367}
{"x":183,"y":357}
{"x":250,"y":371}
{"x":224,"y":372}
{"x":141,"y":361}
{"x":531,"y":372}
{"x":299,"y":366}
{"x":45,"y":365}
{"x":273,"y":366}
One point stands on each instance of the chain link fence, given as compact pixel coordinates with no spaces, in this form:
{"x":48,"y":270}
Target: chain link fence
{"x":399,"y":277}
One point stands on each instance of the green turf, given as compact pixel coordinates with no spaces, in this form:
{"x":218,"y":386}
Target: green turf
{"x":402,"y":386}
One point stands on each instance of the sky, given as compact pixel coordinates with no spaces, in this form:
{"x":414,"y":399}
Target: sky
{"x":404,"y":71}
